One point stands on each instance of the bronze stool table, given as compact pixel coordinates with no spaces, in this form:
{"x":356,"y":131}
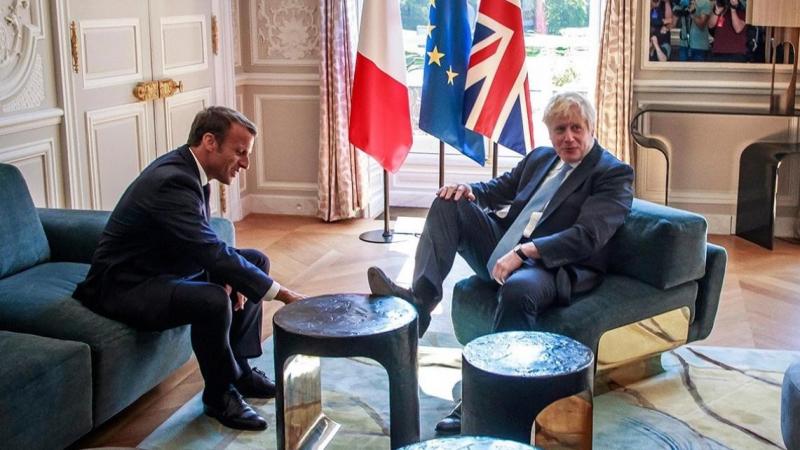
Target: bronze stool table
{"x":528,"y":387}
{"x":469,"y":443}
{"x":343,"y":325}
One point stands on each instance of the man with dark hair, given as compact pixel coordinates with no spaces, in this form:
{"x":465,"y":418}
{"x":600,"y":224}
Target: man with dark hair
{"x":539,"y":231}
{"x":159,"y":265}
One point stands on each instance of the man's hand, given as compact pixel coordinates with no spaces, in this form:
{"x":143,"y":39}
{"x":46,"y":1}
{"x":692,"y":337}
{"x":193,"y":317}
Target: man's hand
{"x":288,"y":296}
{"x":455,"y":192}
{"x":240,"y":298}
{"x":505,"y":266}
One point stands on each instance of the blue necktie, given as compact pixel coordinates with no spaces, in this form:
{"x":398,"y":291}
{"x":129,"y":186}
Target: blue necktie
{"x":537,"y":202}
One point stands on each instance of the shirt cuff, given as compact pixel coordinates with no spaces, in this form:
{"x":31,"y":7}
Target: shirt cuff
{"x":273,"y":291}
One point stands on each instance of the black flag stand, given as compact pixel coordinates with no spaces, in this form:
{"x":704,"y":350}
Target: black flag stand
{"x":441,"y":163}
{"x":385,"y":236}
{"x":494,"y":159}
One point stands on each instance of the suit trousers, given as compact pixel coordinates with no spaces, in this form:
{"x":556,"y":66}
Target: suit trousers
{"x":464,"y":228}
{"x":222,"y":339}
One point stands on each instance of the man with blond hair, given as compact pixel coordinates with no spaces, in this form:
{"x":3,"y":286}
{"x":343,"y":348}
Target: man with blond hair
{"x":539,"y":231}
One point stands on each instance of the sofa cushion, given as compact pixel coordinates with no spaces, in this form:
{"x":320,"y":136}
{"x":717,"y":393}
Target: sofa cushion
{"x":45,"y":391}
{"x":618,"y":301}
{"x":126,"y":363}
{"x":23,"y":243}
{"x":662,"y":246}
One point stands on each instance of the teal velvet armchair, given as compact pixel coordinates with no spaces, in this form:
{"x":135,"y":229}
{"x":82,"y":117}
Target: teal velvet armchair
{"x":662,"y":290}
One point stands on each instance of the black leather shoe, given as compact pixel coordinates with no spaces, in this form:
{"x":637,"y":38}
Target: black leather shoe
{"x":233,"y":412}
{"x":256,"y":384}
{"x":380,"y":284}
{"x":451,"y":424}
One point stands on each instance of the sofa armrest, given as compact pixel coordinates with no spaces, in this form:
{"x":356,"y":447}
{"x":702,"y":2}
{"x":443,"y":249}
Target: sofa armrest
{"x":224,"y":229}
{"x":73,"y":234}
{"x":708,"y":293}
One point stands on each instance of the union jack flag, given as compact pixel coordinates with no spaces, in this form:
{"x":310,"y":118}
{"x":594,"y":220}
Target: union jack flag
{"x":496,"y":100}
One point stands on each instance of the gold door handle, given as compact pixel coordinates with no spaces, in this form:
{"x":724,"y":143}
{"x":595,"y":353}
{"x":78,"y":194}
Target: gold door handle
{"x":169,"y":87}
{"x":146,"y":91}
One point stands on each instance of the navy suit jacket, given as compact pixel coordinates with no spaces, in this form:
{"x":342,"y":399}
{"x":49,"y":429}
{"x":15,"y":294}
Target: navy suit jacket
{"x":159,"y":228}
{"x":584,"y":213}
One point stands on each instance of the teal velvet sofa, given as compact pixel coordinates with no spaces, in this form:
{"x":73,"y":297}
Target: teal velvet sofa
{"x":65,"y":370}
{"x":662,"y":290}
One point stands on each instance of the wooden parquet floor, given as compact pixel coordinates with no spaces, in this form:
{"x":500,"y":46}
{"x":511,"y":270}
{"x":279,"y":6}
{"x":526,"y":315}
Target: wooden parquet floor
{"x":760,"y":306}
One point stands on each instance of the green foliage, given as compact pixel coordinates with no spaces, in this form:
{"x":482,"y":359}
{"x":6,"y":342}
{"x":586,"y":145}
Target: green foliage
{"x":414,"y":13}
{"x":566,"y":14}
{"x":414,"y":61}
{"x":564,"y":78}
{"x":533,"y":51}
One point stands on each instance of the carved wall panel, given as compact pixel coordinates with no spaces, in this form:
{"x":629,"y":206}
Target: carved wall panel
{"x":20,"y":31}
{"x":184,"y":43}
{"x":287,"y":30}
{"x":32,"y":94}
{"x":37,"y":162}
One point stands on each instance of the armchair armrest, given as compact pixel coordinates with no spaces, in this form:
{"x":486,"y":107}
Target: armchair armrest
{"x":224,"y":229}
{"x":708,"y":293}
{"x":73,"y":234}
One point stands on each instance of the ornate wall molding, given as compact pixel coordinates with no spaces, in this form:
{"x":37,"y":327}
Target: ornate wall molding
{"x":43,"y":154}
{"x":287,"y":32}
{"x":20,"y":31}
{"x":237,"y":40}
{"x":32,"y":95}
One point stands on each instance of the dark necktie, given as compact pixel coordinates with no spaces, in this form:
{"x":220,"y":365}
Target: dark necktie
{"x":206,"y":199}
{"x":537,"y":202}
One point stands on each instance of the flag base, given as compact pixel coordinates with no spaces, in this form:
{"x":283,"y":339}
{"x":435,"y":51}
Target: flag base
{"x":382,"y":237}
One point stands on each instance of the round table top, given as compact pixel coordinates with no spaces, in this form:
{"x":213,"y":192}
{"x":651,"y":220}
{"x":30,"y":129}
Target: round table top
{"x":528,"y":354}
{"x":345,"y":315}
{"x":468,"y":443}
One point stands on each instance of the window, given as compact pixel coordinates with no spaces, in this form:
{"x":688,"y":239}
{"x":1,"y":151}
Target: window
{"x":561,"y":39}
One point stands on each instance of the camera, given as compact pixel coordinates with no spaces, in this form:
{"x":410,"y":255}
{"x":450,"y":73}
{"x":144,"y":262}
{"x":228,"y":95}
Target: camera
{"x":727,"y":4}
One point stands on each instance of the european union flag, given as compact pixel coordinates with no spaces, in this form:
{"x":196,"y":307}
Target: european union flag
{"x":442,"y":105}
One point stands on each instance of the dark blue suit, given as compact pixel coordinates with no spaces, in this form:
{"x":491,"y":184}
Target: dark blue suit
{"x":571,"y":236}
{"x":159,"y":264}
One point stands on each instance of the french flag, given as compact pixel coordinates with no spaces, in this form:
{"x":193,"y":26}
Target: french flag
{"x":380,"y":121}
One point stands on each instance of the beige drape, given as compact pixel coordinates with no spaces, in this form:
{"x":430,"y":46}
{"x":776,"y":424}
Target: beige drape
{"x":341,"y":177}
{"x":614,"y":93}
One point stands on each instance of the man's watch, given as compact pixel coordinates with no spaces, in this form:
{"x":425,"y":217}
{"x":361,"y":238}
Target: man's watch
{"x":520,"y":253}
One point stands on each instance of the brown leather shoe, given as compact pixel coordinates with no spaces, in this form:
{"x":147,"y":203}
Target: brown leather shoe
{"x":451,"y":424}
{"x":380,"y":284}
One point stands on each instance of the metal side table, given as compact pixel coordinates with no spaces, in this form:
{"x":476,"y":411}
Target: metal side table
{"x":343,"y":325}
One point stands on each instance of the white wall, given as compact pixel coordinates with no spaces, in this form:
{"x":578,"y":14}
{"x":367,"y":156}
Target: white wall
{"x":278,"y":87}
{"x":29,"y":111}
{"x":704,"y":149}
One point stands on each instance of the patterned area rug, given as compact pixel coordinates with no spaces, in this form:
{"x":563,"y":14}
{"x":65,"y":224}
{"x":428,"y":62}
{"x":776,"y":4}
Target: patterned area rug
{"x":709,"y":398}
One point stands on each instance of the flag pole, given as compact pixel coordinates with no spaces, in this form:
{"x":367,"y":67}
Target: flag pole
{"x":441,"y":163}
{"x":385,"y":236}
{"x":494,"y":159}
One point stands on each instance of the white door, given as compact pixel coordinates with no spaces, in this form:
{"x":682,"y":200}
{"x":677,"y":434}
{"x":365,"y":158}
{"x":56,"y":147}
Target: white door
{"x":120,"y":45}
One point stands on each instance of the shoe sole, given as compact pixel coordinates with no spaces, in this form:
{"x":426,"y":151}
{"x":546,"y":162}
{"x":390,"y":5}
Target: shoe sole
{"x":232,"y":424}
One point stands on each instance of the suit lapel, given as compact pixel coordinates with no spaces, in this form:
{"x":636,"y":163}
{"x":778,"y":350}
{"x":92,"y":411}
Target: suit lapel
{"x":190,"y":163}
{"x":573,"y":181}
